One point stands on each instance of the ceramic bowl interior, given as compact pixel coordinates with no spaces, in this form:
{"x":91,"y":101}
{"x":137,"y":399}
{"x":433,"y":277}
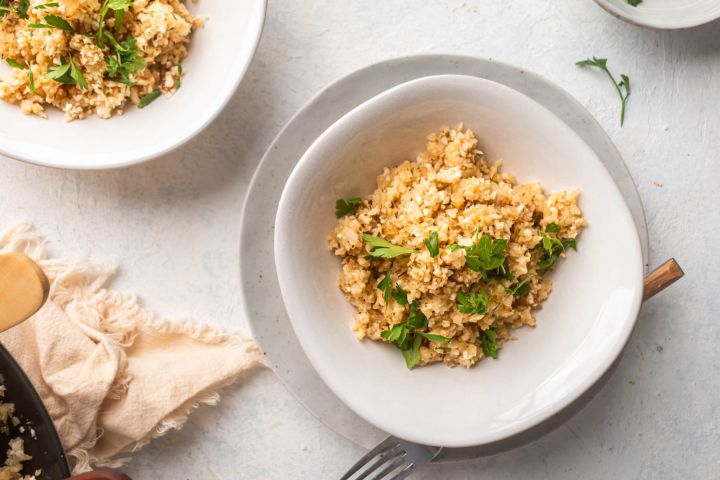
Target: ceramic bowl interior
{"x":665,"y":14}
{"x":219,"y":55}
{"x":581,"y":329}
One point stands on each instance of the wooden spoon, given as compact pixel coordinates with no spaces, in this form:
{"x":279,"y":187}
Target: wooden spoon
{"x":24,"y":288}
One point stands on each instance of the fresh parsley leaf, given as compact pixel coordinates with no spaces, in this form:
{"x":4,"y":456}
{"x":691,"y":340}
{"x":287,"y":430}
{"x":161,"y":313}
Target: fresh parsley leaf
{"x":412,"y":354}
{"x":552,"y":248}
{"x":343,"y":207}
{"x":119,"y":19}
{"x":521,"y":289}
{"x":108,"y":5}
{"x":622,"y":87}
{"x":400,"y":295}
{"x":77,"y":75}
{"x":15,"y":64}
{"x":22,"y":8}
{"x":434,"y":338}
{"x":432,"y":244}
{"x":148,"y":99}
{"x":57,"y":22}
{"x":416,"y":319}
{"x":552,"y":228}
{"x":44,"y":6}
{"x":473,"y":303}
{"x":394,"y":333}
{"x":386,"y":286}
{"x":60,"y":73}
{"x":31,"y":79}
{"x":178,"y":80}
{"x":488,"y":341}
{"x":487,"y":256}
{"x":125,"y":60}
{"x":634,"y":3}
{"x":381,"y":248}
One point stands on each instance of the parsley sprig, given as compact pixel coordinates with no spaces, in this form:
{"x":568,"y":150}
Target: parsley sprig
{"x":622,"y":87}
{"x":486,"y":256}
{"x":67,"y":72}
{"x":343,"y":207}
{"x":53,"y":21}
{"x":552,"y":247}
{"x":634,"y":3}
{"x":432,"y":244}
{"x":118,"y":8}
{"x":473,"y":302}
{"x":20,"y":10}
{"x":20,"y":66}
{"x":408,"y":339}
{"x":381,"y":248}
{"x":397,"y":293}
{"x":124,"y":59}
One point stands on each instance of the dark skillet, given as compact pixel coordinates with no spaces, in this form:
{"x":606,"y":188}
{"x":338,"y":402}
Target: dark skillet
{"x":46,"y":449}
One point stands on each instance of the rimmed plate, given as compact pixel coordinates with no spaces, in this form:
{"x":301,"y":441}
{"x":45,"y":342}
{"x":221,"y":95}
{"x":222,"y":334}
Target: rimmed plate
{"x":220,"y":54}
{"x":664,"y":14}
{"x":267,"y":315}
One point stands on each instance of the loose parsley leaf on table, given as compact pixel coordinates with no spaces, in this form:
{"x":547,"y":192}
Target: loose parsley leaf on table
{"x":343,"y":207}
{"x":406,"y":337}
{"x":622,"y":87}
{"x":432,"y":244}
{"x":473,"y":303}
{"x":381,"y":248}
{"x":634,"y":3}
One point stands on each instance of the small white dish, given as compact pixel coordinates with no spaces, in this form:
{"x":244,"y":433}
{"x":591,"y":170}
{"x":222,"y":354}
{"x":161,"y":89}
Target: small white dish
{"x":220,"y":54}
{"x":582,"y":328}
{"x":664,"y":14}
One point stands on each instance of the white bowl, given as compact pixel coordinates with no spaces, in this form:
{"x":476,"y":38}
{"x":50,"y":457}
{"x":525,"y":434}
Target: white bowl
{"x":581,"y":330}
{"x":665,"y":14}
{"x":219,"y":56}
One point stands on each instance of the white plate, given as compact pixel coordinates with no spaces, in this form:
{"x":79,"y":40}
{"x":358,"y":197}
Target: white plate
{"x":265,"y":311}
{"x":581,"y":329}
{"x":665,"y":14}
{"x":219,"y":56}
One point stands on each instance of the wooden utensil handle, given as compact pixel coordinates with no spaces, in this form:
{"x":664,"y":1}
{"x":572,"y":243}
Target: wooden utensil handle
{"x":661,"y":278}
{"x":101,"y":474}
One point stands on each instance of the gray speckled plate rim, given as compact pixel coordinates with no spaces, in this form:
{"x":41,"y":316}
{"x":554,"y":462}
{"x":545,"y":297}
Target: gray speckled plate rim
{"x":260,"y":297}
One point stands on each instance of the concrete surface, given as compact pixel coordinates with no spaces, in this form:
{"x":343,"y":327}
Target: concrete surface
{"x":173,"y":226}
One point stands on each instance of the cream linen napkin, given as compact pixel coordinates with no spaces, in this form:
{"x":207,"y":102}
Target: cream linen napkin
{"x":111,"y":374}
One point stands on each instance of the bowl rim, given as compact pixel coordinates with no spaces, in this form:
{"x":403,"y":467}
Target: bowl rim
{"x":677,"y":25}
{"x":591,"y":376}
{"x":257,"y":30}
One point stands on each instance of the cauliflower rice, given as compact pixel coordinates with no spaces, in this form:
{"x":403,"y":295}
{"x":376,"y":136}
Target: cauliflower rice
{"x":453,"y":190}
{"x":15,"y":449}
{"x":161,"y":30}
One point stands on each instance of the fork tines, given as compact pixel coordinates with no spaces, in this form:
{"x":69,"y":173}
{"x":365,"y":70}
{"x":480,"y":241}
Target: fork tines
{"x":387,"y":461}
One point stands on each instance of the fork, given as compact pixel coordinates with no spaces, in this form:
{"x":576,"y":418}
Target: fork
{"x":392,"y":459}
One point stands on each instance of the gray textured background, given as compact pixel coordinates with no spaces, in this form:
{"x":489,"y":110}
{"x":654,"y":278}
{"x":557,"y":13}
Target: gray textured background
{"x":173,"y":226}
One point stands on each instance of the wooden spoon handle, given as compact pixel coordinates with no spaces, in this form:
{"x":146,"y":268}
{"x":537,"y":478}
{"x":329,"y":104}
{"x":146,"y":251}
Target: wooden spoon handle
{"x":661,"y":278}
{"x":24,"y":288}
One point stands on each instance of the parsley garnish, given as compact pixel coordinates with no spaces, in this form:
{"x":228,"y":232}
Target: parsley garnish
{"x":15,"y":64}
{"x":432,"y":244}
{"x":622,"y":87}
{"x":473,"y":303}
{"x":21,"y":10}
{"x":343,"y":207}
{"x":634,"y":3}
{"x":386,"y":286}
{"x":486,"y":256}
{"x":124,"y":61}
{"x":67,"y":73}
{"x":381,"y":248}
{"x":178,"y":80}
{"x":400,"y":295}
{"x":44,"y":6}
{"x":53,"y":21}
{"x":406,"y":337}
{"x":553,"y":247}
{"x":488,"y":340}
{"x":520,"y":289}
{"x":116,"y":6}
{"x":148,"y":99}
